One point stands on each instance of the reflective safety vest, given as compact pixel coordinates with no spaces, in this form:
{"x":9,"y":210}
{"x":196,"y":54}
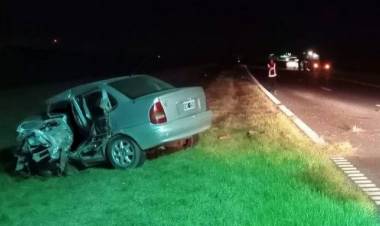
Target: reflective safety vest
{"x":272,"y":70}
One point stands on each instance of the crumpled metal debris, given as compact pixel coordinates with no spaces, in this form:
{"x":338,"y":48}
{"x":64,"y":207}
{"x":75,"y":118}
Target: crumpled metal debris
{"x":44,"y":145}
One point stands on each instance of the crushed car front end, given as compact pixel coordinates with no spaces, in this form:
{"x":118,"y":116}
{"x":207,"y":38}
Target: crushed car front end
{"x":44,"y":145}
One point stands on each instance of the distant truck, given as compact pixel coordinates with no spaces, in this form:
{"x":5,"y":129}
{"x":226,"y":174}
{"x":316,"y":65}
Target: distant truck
{"x":310,"y":61}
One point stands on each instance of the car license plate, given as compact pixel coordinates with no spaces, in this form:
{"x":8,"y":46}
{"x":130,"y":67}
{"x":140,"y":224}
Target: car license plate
{"x":189,"y":105}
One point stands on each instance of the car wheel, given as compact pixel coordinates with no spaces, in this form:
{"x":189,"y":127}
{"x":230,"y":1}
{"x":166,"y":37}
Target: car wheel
{"x":124,"y":153}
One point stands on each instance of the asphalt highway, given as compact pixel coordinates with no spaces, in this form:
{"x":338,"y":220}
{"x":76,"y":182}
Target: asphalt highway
{"x":341,"y":112}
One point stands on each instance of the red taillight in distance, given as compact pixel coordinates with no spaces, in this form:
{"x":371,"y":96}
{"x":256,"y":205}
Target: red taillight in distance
{"x":316,"y":65}
{"x":157,"y":114}
{"x":327,"y":66}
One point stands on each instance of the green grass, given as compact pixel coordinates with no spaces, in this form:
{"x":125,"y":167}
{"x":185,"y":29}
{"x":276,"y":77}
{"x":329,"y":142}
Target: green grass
{"x":273,"y":177}
{"x":241,"y":182}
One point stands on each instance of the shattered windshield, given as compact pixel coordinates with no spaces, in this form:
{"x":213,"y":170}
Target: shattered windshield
{"x":140,"y":86}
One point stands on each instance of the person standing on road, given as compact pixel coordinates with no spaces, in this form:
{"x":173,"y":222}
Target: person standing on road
{"x":272,"y":75}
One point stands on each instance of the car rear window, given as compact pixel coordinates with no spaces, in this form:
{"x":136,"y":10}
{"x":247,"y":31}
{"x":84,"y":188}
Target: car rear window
{"x":140,"y":86}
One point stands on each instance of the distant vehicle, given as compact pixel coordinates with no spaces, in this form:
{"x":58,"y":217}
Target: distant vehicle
{"x":115,"y":120}
{"x":292,"y":64}
{"x":311,"y":61}
{"x":238,"y":58}
{"x":287,"y":61}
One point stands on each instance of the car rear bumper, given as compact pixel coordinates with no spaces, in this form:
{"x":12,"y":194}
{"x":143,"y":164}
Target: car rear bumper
{"x":155,"y":135}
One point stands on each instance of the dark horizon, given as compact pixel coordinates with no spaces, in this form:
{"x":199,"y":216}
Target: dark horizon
{"x":241,"y":24}
{"x":196,"y":31}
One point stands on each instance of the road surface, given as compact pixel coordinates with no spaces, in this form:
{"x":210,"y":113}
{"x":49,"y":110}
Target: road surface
{"x":338,"y":111}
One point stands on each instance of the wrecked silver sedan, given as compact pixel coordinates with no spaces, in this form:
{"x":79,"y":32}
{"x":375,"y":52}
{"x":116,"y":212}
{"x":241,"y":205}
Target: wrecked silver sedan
{"x":44,"y":144}
{"x":115,"y":120}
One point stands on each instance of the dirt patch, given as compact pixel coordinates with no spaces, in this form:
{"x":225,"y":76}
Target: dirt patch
{"x":234,"y":101}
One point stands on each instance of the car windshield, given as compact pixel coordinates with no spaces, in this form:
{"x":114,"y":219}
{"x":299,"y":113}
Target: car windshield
{"x":140,"y":86}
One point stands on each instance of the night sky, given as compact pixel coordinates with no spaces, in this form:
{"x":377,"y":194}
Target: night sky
{"x":334,"y":28}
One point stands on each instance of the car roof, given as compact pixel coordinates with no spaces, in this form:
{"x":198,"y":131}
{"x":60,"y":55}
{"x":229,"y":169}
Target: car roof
{"x":81,"y":89}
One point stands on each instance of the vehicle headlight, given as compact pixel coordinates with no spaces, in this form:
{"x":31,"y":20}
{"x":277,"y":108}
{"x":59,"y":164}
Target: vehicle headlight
{"x":292,"y":64}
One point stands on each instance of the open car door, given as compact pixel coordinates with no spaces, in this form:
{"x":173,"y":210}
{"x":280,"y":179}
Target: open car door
{"x":79,"y":115}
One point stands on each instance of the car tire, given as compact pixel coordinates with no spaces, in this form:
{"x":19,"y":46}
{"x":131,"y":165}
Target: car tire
{"x":123,"y":153}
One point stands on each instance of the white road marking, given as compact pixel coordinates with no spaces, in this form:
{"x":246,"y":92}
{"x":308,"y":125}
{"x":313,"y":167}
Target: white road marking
{"x":326,"y":89}
{"x":376,"y":198}
{"x":286,"y":111}
{"x":338,"y":158}
{"x":346,"y":166}
{"x":341,"y":160}
{"x":370,"y":193}
{"x":308,"y":131}
{"x":363,"y":181}
{"x":359,"y":178}
{"x":343,"y":163}
{"x":351,"y":171}
{"x":355,"y":175}
{"x":371,"y":189}
{"x":367,"y":185}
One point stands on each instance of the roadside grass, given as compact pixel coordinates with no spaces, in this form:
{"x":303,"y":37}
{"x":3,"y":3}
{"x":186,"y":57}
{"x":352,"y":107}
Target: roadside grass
{"x":253,"y":167}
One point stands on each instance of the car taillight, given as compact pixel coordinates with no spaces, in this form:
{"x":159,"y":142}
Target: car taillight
{"x":316,"y":65}
{"x":157,"y":114}
{"x":327,"y":66}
